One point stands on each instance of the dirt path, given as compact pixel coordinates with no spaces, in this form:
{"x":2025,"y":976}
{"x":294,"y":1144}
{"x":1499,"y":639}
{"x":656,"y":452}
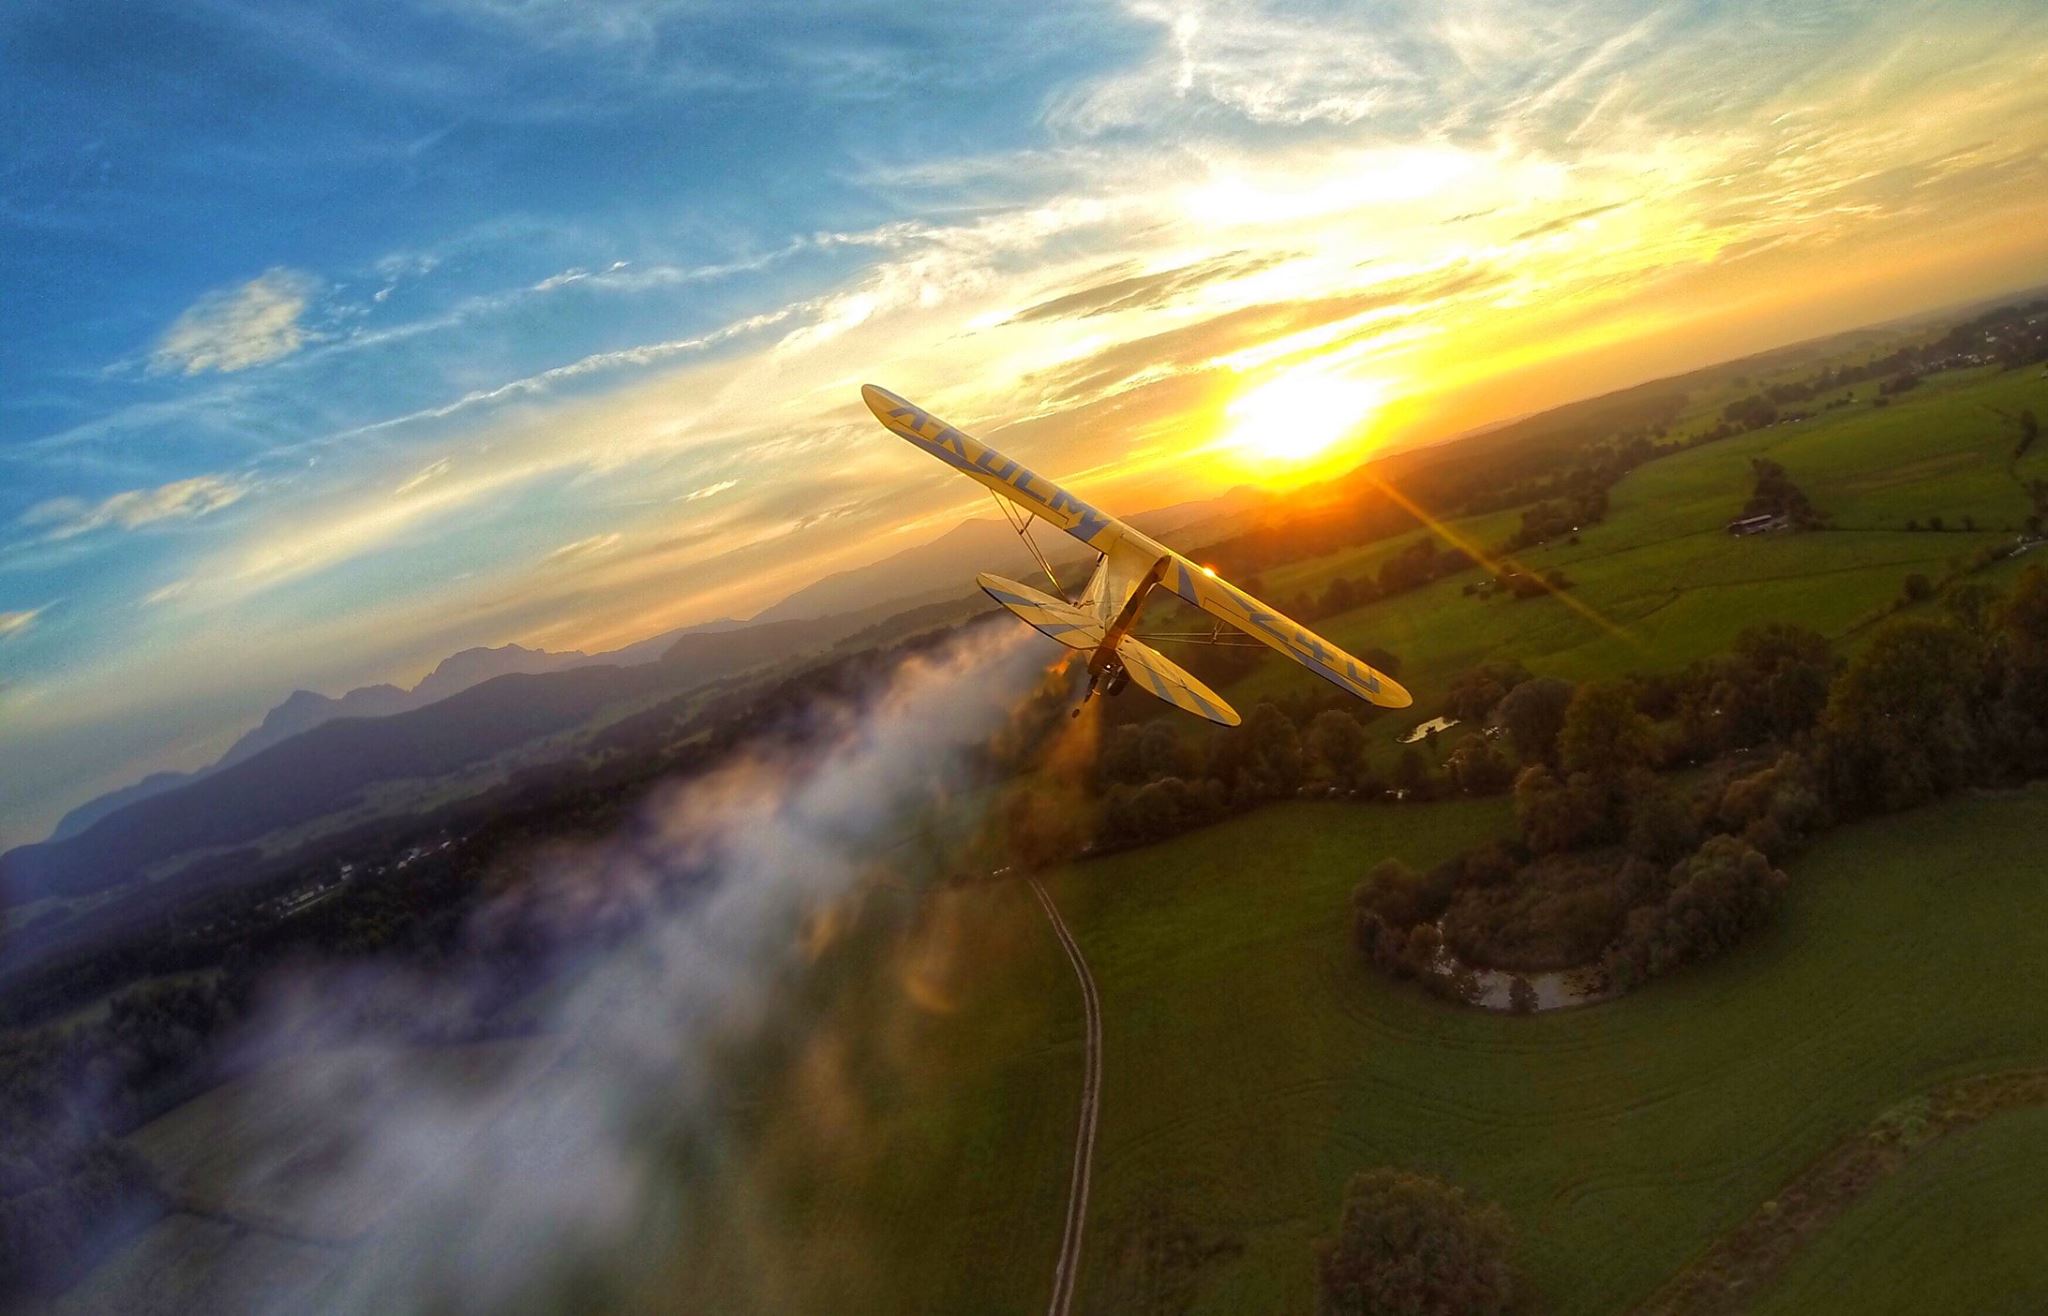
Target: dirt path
{"x":1745,"y":1259}
{"x":1064,"y":1274}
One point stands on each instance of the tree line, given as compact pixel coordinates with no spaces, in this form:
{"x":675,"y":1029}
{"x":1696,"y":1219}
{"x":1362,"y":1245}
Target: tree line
{"x":1612,"y":863}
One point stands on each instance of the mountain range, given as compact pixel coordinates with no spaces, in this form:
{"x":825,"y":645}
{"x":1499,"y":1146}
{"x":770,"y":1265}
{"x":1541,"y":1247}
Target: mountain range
{"x":302,"y":710}
{"x":315,"y":755}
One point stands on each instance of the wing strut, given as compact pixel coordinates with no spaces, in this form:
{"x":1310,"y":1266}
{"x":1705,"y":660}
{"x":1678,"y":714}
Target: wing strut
{"x":1021,"y":523}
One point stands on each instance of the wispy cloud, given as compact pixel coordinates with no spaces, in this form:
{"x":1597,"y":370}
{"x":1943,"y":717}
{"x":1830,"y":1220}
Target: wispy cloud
{"x":432,"y":471}
{"x":710,"y":490}
{"x":180,"y":500}
{"x":584,"y":548}
{"x":13,"y":624}
{"x":236,"y":328}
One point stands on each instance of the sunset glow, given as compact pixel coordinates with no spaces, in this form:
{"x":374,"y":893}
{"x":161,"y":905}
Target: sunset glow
{"x":595,"y":355}
{"x":1299,"y":416}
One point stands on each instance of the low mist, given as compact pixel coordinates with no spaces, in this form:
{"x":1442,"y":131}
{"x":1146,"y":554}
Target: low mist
{"x":502,"y":1173}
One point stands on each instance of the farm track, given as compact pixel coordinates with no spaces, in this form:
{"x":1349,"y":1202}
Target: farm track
{"x":1066,"y":1271}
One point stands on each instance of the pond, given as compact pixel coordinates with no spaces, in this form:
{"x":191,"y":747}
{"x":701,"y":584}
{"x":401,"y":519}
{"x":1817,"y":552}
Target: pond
{"x":1492,"y":989}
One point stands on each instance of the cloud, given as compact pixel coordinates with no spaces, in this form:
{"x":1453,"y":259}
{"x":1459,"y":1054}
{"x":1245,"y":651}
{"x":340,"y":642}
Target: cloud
{"x":1203,"y":342}
{"x":710,"y":490}
{"x":13,"y":624}
{"x":180,"y":500}
{"x":177,"y":589}
{"x":1158,"y":288}
{"x":235,"y":328}
{"x":432,"y":471}
{"x":583,"y":548}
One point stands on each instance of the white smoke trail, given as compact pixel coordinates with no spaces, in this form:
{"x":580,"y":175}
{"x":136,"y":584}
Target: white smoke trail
{"x":517,"y":1162}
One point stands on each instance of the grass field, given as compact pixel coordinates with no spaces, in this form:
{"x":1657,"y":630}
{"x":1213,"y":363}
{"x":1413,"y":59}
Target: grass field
{"x":1975,"y":1198}
{"x":1252,"y":1063}
{"x":1660,"y":584}
{"x":909,"y":1151}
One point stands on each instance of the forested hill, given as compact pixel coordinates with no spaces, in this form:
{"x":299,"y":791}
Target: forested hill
{"x":327,"y":769}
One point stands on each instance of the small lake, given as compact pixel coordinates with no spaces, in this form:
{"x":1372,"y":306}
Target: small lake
{"x":1491,"y":989}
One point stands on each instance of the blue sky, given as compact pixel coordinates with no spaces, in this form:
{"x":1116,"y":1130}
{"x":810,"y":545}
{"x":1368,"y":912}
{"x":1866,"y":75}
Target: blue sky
{"x":340,"y":337}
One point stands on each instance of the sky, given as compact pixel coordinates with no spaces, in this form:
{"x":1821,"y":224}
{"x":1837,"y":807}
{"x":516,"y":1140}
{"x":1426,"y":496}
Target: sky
{"x":340,"y":337}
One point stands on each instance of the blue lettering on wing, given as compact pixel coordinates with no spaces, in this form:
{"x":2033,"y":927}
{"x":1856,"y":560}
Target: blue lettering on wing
{"x":1088,"y":522}
{"x":917,"y":419}
{"x":997,"y":465}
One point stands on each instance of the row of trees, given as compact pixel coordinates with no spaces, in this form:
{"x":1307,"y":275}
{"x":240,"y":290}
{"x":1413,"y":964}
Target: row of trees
{"x":1612,"y":862}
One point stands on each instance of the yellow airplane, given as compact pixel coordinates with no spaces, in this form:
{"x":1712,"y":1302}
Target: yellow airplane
{"x":1131,"y":566}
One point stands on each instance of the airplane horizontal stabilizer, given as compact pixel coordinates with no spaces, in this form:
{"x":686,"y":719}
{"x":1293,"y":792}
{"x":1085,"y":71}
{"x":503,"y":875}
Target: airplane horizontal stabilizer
{"x":1156,"y":674}
{"x":1071,"y":626}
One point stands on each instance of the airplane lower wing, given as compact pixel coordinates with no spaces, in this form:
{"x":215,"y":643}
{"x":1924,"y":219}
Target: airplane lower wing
{"x":1133,"y":563}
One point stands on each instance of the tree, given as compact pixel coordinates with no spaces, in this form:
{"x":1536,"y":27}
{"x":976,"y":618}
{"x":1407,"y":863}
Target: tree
{"x":1534,"y":714}
{"x":1917,"y":589}
{"x":1970,"y":604}
{"x":1602,"y":734}
{"x":1337,"y":743}
{"x":1776,"y":495}
{"x":1411,"y":774}
{"x":1522,"y":998}
{"x":1898,"y":722}
{"x":1475,"y":693}
{"x":1123,"y":756}
{"x":1724,"y":891}
{"x":1275,"y":766}
{"x":1477,"y":768}
{"x":1410,"y":1245}
{"x":1399,"y":896}
{"x":1162,"y":752}
{"x":1660,"y":822}
{"x":1776,"y":683}
{"x":1556,"y":815}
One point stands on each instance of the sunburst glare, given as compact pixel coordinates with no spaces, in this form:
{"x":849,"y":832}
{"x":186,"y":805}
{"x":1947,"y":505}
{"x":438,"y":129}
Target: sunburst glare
{"x":1299,"y":415}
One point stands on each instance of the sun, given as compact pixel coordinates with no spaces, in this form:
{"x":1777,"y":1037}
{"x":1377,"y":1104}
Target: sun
{"x":1297,"y":416}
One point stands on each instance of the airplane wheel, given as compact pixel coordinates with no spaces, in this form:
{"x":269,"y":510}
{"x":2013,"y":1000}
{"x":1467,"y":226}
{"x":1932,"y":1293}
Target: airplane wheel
{"x":1118,"y":682}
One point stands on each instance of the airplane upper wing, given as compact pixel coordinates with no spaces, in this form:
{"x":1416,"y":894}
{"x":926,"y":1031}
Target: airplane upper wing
{"x":1226,"y":602}
{"x":976,"y":460}
{"x":1134,"y":550}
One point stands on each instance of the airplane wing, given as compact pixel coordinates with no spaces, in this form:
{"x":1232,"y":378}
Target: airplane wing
{"x":976,"y":460}
{"x":1226,"y":602}
{"x":1132,"y":554}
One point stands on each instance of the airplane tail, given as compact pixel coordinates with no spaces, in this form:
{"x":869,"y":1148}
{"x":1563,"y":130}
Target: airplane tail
{"x":1138,"y":663}
{"x":1159,"y":676}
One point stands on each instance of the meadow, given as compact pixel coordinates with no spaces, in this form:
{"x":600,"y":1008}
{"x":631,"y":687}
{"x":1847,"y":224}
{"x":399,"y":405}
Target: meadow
{"x":903,"y":1143}
{"x":1660,"y":583}
{"x":1253,"y":1062}
{"x":1892,"y":1249}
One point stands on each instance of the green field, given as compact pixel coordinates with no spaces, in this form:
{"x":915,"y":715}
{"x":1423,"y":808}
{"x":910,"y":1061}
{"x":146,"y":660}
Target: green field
{"x":1975,"y":1198}
{"x":1252,"y":1062}
{"x":1660,"y":583}
{"x":904,"y":1145}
